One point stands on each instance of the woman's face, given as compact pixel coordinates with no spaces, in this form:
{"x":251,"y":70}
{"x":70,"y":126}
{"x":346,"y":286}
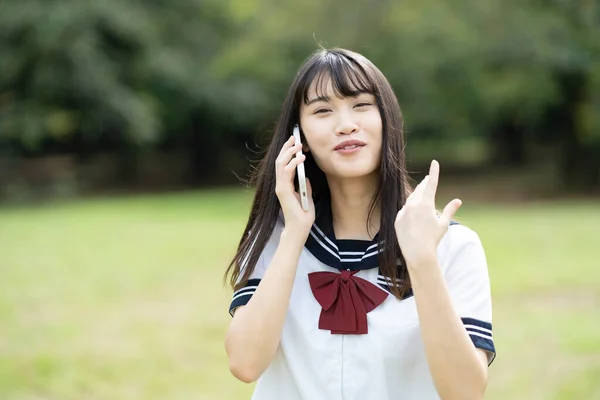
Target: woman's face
{"x":344,"y":135}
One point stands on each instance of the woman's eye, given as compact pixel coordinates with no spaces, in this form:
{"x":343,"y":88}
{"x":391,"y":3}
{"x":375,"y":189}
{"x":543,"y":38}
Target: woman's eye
{"x":321,"y":111}
{"x":362,"y":104}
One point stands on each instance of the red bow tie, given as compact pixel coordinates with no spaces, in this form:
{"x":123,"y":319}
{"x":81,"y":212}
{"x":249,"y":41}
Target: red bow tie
{"x":345,"y":299}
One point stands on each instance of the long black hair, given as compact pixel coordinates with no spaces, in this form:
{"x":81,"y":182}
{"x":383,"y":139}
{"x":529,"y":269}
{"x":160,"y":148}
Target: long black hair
{"x":349,"y":72}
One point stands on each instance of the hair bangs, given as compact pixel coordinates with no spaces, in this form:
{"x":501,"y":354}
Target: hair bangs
{"x":347,"y":75}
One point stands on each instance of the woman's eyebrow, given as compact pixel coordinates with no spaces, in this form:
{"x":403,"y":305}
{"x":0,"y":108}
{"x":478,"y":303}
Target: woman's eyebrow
{"x":320,"y":98}
{"x":354,"y":93}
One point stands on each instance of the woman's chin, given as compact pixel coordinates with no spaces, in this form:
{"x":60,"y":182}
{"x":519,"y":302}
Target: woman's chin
{"x":352,"y":173}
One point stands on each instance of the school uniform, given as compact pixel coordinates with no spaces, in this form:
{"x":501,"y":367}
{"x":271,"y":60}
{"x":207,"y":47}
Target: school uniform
{"x":346,"y":337}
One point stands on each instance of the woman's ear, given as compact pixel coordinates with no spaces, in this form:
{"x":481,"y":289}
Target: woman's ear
{"x":305,"y":148}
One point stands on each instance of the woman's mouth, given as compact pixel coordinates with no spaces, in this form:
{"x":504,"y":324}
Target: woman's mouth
{"x":349,"y":147}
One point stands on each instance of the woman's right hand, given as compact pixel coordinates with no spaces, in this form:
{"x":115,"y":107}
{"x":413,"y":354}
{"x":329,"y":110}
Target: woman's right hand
{"x":297,"y":220}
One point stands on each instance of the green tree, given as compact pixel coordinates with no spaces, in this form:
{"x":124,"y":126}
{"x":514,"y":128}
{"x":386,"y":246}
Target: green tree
{"x":208,"y":76}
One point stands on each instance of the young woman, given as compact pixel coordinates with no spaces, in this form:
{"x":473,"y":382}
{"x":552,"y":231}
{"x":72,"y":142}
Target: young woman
{"x":371,"y":294}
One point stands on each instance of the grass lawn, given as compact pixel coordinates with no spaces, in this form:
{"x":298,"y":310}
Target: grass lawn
{"x":122,"y":299}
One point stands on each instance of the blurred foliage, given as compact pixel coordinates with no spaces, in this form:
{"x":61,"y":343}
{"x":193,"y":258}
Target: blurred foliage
{"x":77,"y":76}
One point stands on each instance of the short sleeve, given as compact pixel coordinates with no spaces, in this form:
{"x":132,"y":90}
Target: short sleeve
{"x":242,"y":296}
{"x":466,"y":273}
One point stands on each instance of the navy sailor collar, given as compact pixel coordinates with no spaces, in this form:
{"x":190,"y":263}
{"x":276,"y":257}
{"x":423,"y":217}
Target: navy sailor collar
{"x":342,"y":254}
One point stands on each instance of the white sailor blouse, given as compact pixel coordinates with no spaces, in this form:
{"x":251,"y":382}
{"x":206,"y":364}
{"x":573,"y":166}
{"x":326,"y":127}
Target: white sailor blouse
{"x":346,"y":337}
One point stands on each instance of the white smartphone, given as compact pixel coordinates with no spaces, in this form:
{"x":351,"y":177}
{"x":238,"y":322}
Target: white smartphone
{"x":301,"y":173}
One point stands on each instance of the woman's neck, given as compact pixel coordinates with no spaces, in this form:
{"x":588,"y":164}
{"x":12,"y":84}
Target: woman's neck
{"x":350,"y":200}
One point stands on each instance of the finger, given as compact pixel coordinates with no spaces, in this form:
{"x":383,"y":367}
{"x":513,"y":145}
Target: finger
{"x":291,"y":166}
{"x":286,"y":174}
{"x":431,"y":188}
{"x":417,"y":194}
{"x":449,"y":211}
{"x":421,"y":189}
{"x":290,"y":152}
{"x":290,"y":170}
{"x":286,"y":146}
{"x":288,"y":143}
{"x":285,"y":157}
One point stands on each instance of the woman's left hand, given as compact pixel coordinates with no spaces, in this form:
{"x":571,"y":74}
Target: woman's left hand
{"x":419,"y":228}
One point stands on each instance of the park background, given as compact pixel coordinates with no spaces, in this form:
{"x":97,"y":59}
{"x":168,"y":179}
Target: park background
{"x":127,"y":129}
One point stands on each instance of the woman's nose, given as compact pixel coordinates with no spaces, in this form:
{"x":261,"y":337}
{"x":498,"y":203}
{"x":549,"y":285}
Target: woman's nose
{"x":346,"y":125}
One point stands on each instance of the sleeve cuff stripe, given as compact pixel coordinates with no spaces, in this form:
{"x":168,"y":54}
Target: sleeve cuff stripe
{"x":246,"y":293}
{"x":471,"y":333}
{"x":240,"y":300}
{"x":478,"y":329}
{"x":245,"y":289}
{"x":477,"y":323}
{"x":242,"y":296}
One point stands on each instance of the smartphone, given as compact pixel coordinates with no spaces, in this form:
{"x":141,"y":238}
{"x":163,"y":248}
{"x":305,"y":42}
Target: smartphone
{"x":301,"y":173}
